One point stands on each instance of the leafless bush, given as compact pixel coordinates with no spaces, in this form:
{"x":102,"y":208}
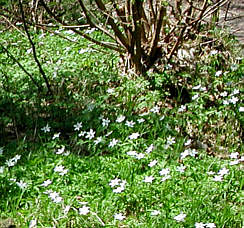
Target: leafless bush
{"x":144,"y":33}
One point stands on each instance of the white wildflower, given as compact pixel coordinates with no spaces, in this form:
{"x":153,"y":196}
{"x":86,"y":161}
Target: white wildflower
{"x":60,"y":150}
{"x":236,"y":91}
{"x":16,"y":157}
{"x":224,"y":94}
{"x":10,"y":163}
{"x":195,"y":97}
{"x":90,"y":134}
{"x":150,"y":149}
{"x":155,"y":109}
{"x":153,"y":163}
{"x":46,"y":183}
{"x":55,"y":136}
{"x":134,"y":135}
{"x":165,"y":171}
{"x":234,"y":155}
{"x":58,"y":199}
{"x":113,"y":142}
{"x":180,"y":218}
{"x":234,"y":162}
{"x":223,"y":171}
{"x":199,"y":225}
{"x":119,"y":189}
{"x":155,"y":213}
{"x":218,"y":73}
{"x":33,"y":223}
{"x":78,"y":126}
{"x":105,"y":122}
{"x":110,"y":90}
{"x":114,"y":182}
{"x":141,"y":120}
{"x":218,"y":178}
{"x":1,"y":169}
{"x":98,"y":140}
{"x":130,"y":123}
{"x":188,"y":142}
{"x":120,"y":119}
{"x":170,"y":140}
{"x":225,"y":102}
{"x":140,"y":156}
{"x":182,"y":108}
{"x":84,"y":210}
{"x":148,"y":179}
{"x":60,"y":169}
{"x":132,"y":153}
{"x":181,"y":169}
{"x":46,"y":129}
{"x":233,"y":100}
{"x":119,"y":217}
{"x":166,"y":177}
{"x":210,"y":225}
{"x":21,"y":184}
{"x":193,"y":153}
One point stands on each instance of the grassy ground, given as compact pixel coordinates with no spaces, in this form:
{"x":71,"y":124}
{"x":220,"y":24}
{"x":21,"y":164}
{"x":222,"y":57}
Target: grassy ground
{"x":109,"y":151}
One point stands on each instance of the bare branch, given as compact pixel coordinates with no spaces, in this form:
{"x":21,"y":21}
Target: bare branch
{"x":100,"y":43}
{"x":6,"y":19}
{"x":34,"y":49}
{"x":92,"y":24}
{"x":158,"y":27}
{"x":121,"y":38}
{"x":22,"y":68}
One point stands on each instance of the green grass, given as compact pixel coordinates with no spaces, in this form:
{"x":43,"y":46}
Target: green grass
{"x":89,"y":90}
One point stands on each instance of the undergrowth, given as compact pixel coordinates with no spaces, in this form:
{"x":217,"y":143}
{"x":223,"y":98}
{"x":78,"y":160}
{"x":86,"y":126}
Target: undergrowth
{"x":114,"y":150}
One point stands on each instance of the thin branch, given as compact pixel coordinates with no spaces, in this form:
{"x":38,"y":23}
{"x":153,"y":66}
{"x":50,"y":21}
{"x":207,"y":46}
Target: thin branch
{"x":100,"y":43}
{"x":6,"y":19}
{"x":121,"y":14}
{"x":92,"y":24}
{"x":56,"y":33}
{"x":122,"y":39}
{"x":177,"y":43}
{"x":214,"y":8}
{"x":146,"y":26}
{"x":158,"y":27}
{"x":152,"y":11}
{"x":22,"y":68}
{"x":34,"y":49}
